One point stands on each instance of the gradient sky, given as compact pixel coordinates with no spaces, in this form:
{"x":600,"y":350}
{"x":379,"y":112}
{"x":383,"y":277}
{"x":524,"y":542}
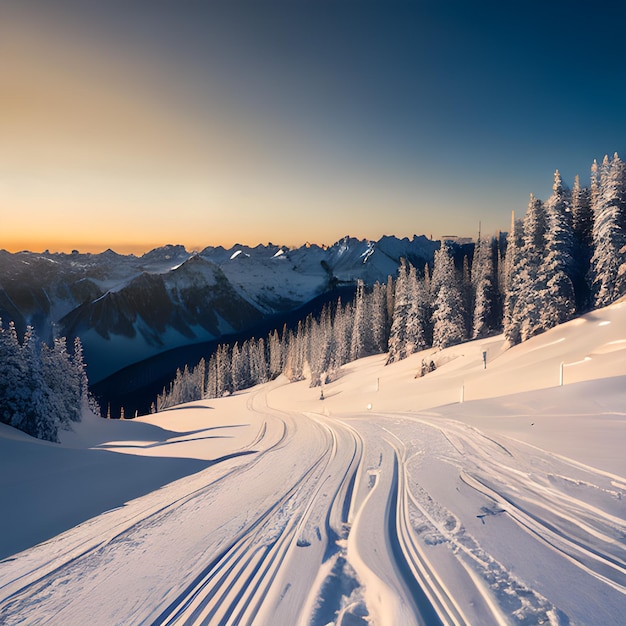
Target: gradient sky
{"x":135,"y":124}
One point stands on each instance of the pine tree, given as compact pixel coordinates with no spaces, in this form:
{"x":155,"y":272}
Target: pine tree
{"x":484,"y":319}
{"x":419,"y":313}
{"x":359,"y":325}
{"x":258,"y":362}
{"x":448,"y":318}
{"x":275,"y":355}
{"x":377,"y":313}
{"x":64,"y":382}
{"x":609,"y":233}
{"x":557,"y":267}
{"x":401,"y":308}
{"x":582,"y":216}
{"x":38,"y":416}
{"x":223,"y":372}
{"x":12,"y":377}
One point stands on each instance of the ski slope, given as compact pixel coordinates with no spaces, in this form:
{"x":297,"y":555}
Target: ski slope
{"x":468,"y":496}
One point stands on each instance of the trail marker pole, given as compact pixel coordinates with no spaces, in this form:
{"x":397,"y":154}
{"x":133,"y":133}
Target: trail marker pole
{"x":462,"y":394}
{"x":561,"y":374}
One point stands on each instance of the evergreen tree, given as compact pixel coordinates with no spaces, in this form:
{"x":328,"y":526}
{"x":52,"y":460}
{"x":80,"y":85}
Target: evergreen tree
{"x":377,"y":313}
{"x":13,"y":375}
{"x":558,"y":268}
{"x":419,"y":313}
{"x":360,"y":328}
{"x":63,"y":382}
{"x":448,"y":318}
{"x":275,"y":355}
{"x":223,"y":372}
{"x":609,"y":233}
{"x":484,"y":320}
{"x":401,"y":310}
{"x":258,"y":362}
{"x":582,"y":216}
{"x":38,"y":416}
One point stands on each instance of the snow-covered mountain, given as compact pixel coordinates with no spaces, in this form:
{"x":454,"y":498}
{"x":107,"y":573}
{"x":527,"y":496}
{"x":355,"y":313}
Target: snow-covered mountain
{"x":127,"y":308}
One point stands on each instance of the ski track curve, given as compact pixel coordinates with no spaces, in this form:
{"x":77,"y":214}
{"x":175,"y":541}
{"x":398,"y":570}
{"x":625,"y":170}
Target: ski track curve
{"x":332,"y":521}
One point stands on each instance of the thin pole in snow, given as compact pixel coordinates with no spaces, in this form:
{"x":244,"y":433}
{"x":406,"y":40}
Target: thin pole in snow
{"x":462,"y":394}
{"x":561,"y":374}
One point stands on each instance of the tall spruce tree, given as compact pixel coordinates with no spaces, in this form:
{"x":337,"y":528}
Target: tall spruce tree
{"x":582,"y":217}
{"x":609,"y":233}
{"x":448,"y":318}
{"x":484,"y":320}
{"x":557,"y":268}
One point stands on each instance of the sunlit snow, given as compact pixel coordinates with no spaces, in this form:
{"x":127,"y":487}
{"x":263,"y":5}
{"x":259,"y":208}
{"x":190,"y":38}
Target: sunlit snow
{"x":388,"y":502}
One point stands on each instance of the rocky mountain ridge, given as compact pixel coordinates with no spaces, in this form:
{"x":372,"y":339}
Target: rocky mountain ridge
{"x":126,"y":308}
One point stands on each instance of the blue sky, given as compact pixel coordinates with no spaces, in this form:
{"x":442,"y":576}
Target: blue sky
{"x":130,"y":125}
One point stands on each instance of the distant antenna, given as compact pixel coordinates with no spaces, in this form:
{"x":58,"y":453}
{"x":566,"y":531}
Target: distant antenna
{"x":479,"y":225}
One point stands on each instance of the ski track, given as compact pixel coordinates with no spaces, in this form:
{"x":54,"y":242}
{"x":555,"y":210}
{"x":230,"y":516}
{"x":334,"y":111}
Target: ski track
{"x":325,"y":521}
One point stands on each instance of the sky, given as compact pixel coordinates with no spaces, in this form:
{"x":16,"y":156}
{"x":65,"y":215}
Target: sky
{"x":130,"y":125}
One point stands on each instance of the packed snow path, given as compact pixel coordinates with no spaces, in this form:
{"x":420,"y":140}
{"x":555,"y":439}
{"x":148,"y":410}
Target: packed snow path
{"x":349,"y":521}
{"x":349,"y":510}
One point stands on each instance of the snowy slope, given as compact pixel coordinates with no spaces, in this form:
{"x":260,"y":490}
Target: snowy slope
{"x":388,"y":502}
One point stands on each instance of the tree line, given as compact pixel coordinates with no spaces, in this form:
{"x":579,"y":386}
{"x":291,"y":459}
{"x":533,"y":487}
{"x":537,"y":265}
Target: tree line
{"x":42,"y":388}
{"x":566,"y":256}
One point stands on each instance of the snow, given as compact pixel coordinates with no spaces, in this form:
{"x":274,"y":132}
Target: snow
{"x":388,"y":502}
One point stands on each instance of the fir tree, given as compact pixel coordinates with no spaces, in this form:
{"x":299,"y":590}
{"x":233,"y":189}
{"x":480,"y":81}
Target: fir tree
{"x":582,"y":217}
{"x":609,"y":233}
{"x":484,"y":320}
{"x":557,"y":268}
{"x":448,"y":319}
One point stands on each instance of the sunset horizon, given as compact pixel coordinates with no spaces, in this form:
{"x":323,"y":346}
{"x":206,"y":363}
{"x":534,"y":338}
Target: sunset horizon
{"x":131,"y":126}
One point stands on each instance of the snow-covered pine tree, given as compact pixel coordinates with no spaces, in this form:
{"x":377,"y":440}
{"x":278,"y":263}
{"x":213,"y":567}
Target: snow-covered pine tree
{"x":275,"y":347}
{"x":419,"y":313}
{"x":211,"y":380}
{"x":240,"y":367}
{"x":448,"y":319}
{"x":258,"y":362}
{"x":609,"y":234}
{"x":467,"y":295}
{"x":526,"y":286}
{"x":582,"y":218}
{"x":12,"y":376}
{"x":484,"y":319}
{"x":401,"y":307}
{"x":200,"y":379}
{"x":389,"y":298}
{"x":338,"y":349}
{"x":511,"y":281}
{"x":319,"y":339}
{"x":64,"y":385}
{"x":359,"y":325}
{"x":38,"y":417}
{"x":558,"y":267}
{"x":296,"y":352}
{"x":377,"y":314}
{"x":224,"y":379}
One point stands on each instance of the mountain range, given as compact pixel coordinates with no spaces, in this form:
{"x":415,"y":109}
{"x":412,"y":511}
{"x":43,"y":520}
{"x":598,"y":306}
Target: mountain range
{"x":128,"y":308}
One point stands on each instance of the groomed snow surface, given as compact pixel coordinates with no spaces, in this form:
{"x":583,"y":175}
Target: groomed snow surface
{"x":468,"y":496}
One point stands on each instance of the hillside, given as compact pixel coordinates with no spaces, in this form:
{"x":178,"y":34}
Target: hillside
{"x":390,"y":501}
